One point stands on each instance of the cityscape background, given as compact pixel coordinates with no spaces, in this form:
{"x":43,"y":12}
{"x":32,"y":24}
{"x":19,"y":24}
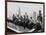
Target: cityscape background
{"x":32,"y":10}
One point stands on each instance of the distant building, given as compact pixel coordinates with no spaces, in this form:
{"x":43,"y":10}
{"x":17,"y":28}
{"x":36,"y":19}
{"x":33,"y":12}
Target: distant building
{"x":19,"y":13}
{"x":26,"y":16}
{"x":34,"y":16}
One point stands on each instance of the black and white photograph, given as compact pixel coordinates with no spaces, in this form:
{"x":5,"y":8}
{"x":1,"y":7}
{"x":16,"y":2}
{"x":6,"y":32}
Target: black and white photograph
{"x":25,"y":17}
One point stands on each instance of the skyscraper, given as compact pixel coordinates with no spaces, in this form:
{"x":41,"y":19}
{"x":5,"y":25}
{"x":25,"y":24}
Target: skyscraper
{"x":34,"y":16}
{"x":19,"y":13}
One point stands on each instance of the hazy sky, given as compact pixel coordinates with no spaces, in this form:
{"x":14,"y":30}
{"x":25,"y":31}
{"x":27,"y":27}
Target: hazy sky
{"x":13,"y":8}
